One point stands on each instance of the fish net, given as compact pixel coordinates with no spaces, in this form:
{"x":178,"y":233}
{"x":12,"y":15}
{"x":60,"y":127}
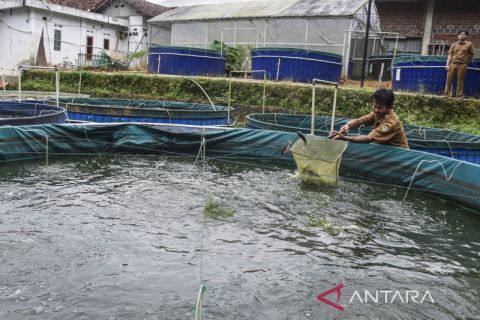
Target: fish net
{"x":318,"y":159}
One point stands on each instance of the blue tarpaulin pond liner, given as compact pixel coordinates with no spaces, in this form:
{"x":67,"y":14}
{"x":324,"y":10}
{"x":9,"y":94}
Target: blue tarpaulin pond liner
{"x":28,"y":113}
{"x":186,"y":61}
{"x":448,"y":178}
{"x":296,"y":64}
{"x":427,"y":74}
{"x":453,"y":144}
{"x":151,"y":111}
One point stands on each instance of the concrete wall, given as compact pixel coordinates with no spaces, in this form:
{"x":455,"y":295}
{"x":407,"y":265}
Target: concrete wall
{"x":408,"y":17}
{"x":452,"y":16}
{"x":19,"y":43}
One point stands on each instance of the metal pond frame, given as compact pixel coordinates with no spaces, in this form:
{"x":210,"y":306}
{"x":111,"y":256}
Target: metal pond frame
{"x":57,"y":80}
{"x":314,"y":86}
{"x":246,"y":72}
{"x":347,"y":46}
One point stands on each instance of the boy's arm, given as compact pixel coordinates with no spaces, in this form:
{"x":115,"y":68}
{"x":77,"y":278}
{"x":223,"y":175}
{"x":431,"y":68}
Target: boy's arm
{"x":357,"y":139}
{"x":366,"y":119}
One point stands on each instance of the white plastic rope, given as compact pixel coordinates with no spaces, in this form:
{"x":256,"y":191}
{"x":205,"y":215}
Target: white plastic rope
{"x":447,"y":177}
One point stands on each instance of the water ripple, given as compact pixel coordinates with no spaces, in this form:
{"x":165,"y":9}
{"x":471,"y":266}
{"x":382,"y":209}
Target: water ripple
{"x":125,"y":237}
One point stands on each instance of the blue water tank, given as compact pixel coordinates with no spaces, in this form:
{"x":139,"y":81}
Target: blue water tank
{"x":296,"y":64}
{"x":427,"y":74}
{"x":186,"y":61}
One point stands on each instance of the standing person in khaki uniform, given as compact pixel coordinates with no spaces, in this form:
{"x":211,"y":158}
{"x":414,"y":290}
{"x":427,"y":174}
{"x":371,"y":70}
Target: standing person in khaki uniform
{"x":459,"y":55}
{"x":387,"y":128}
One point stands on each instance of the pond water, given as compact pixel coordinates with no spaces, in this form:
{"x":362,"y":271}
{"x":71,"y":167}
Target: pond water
{"x":126,"y":237}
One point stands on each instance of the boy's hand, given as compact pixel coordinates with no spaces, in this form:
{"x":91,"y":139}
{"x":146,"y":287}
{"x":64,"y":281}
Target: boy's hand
{"x":335,"y":135}
{"x":344,"y":129}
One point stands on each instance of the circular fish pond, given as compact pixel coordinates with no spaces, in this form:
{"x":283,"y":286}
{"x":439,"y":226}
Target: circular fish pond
{"x":134,"y":237}
{"x":452,"y":144}
{"x":149,"y":111}
{"x":186,"y":61}
{"x":296,"y":64}
{"x":28,"y":113}
{"x":427,"y":74}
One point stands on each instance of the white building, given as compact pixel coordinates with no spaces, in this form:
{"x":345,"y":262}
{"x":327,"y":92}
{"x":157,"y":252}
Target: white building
{"x":137,"y":12}
{"x":36,"y":32}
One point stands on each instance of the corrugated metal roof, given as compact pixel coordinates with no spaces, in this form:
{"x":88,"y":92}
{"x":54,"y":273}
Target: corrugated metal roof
{"x":262,"y":9}
{"x":183,"y":3}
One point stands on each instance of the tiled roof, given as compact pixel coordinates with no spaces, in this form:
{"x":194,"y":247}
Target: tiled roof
{"x":87,"y":5}
{"x":145,"y":8}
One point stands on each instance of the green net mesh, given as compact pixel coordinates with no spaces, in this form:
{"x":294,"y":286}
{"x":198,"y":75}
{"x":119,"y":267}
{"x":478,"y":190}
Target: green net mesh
{"x":318,"y":159}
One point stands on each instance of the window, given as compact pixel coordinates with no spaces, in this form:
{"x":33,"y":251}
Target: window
{"x":57,"y":40}
{"x":89,"y":48}
{"x":106,"y":44}
{"x":408,"y":45}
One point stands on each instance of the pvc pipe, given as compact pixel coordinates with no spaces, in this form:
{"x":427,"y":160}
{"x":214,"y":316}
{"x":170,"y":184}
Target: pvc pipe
{"x":278,"y":68}
{"x":19,"y":85}
{"x":328,"y":83}
{"x":3,"y":81}
{"x":312,"y":124}
{"x":380,"y":77}
{"x":264,"y":90}
{"x":334,"y":108}
{"x":57,"y":86}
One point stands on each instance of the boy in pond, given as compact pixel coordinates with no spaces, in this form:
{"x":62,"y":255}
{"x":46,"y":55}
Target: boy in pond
{"x":387,"y":128}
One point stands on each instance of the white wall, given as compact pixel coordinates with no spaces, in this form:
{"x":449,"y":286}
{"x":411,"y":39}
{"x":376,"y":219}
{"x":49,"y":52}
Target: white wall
{"x":137,"y":29}
{"x":74,"y":37}
{"x":20,"y":39}
{"x":137,"y":38}
{"x":119,"y":8}
{"x":17,"y":39}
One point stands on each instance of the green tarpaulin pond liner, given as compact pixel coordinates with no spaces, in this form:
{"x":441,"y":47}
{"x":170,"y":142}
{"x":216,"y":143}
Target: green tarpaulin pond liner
{"x":447,"y":178}
{"x":453,"y":144}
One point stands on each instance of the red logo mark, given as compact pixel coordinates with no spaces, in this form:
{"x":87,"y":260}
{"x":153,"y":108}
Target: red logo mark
{"x":338,"y":289}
